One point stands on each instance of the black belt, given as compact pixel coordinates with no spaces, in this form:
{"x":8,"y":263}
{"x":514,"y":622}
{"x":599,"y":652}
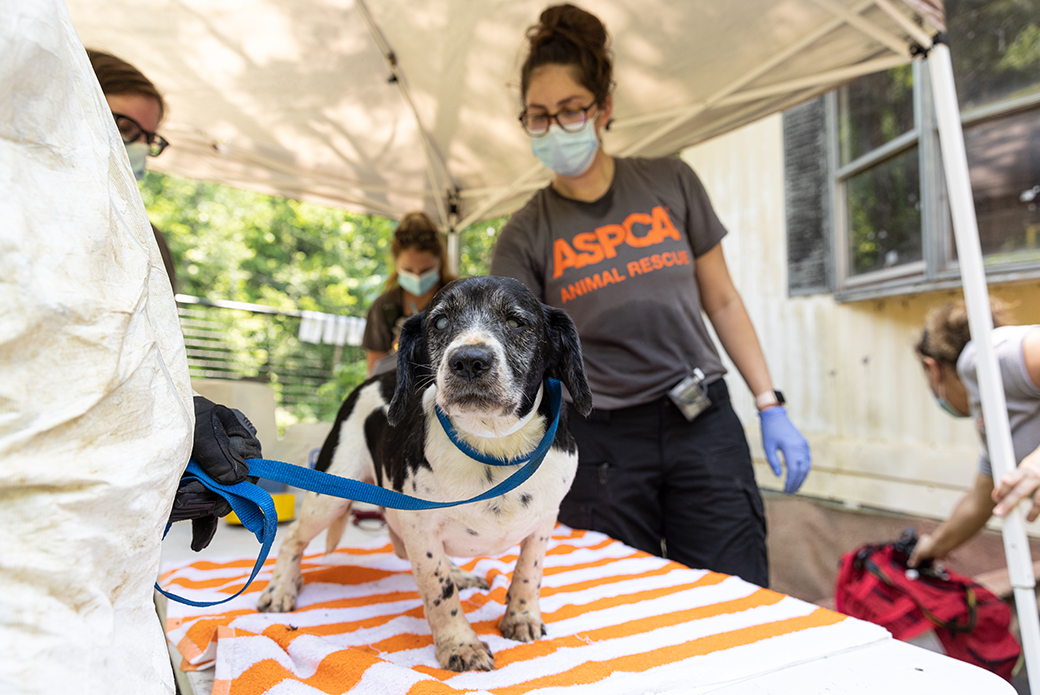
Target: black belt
{"x":718,"y":392}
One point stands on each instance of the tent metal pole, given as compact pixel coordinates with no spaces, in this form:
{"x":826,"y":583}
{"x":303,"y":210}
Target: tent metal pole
{"x":454,"y":249}
{"x":819,"y":79}
{"x":913,"y":31}
{"x":854,"y":19}
{"x":454,"y":252}
{"x":980,"y":322}
{"x":435,"y":166}
{"x":732,"y":87}
{"x":497,"y":198}
{"x":842,"y":14}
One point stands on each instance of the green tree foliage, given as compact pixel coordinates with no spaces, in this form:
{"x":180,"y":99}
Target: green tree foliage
{"x":236,"y":245}
{"x":995,"y":46}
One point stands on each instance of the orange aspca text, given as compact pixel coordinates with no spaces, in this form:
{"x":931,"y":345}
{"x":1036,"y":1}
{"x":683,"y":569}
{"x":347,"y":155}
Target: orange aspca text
{"x":590,"y":284}
{"x":589,"y":248}
{"x":646,"y":264}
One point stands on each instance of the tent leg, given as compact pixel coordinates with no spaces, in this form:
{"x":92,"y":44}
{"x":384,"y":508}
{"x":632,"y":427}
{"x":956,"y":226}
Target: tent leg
{"x":980,"y":322}
{"x":455,"y":253}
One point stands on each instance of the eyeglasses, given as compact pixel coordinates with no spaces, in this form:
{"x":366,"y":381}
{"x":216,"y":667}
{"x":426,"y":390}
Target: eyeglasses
{"x":570,"y":119}
{"x":131,"y":131}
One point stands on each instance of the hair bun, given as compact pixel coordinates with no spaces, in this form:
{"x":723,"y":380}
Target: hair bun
{"x":568,"y":35}
{"x":571,"y":23}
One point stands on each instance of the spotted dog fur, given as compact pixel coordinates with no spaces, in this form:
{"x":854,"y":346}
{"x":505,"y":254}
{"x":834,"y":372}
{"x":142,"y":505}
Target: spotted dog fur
{"x":481,"y":351}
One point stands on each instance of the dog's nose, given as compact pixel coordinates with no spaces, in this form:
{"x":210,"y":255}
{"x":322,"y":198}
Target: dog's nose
{"x":470,"y":362}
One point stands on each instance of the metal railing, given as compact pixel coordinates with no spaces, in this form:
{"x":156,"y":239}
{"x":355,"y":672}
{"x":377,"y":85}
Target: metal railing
{"x":236,"y":340}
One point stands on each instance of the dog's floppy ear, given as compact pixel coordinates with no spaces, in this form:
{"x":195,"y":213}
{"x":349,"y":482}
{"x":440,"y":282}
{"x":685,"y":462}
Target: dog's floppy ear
{"x":412,"y":362}
{"x":564,"y":360}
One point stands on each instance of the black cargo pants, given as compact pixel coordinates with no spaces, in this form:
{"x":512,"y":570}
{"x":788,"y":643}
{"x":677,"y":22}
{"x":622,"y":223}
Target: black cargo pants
{"x":646,"y":475}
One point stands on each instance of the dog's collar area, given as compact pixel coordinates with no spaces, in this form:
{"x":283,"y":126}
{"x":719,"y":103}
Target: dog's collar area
{"x":472,"y":425}
{"x":555,"y":403}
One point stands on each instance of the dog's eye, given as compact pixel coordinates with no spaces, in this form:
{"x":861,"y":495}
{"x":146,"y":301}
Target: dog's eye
{"x":513,"y":323}
{"x":441,"y":323}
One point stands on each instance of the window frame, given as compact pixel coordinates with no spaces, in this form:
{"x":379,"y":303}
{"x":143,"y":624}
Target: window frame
{"x":939,"y":268}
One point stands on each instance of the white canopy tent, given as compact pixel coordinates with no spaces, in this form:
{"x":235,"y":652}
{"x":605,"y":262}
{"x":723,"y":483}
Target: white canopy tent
{"x":401,"y":105}
{"x":391,"y":106}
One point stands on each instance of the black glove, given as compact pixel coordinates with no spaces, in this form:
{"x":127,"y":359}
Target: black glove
{"x":224,"y":439}
{"x":196,"y":502}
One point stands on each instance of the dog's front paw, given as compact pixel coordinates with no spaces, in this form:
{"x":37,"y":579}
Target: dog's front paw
{"x":521,"y":626}
{"x":465,"y":655}
{"x":279,"y":597}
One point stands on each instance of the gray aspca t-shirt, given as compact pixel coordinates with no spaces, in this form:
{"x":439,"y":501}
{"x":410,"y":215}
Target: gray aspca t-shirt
{"x":623,"y":268}
{"x":1022,"y":395}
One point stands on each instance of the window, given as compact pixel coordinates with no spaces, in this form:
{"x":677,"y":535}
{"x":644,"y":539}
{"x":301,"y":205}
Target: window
{"x":886,"y":227}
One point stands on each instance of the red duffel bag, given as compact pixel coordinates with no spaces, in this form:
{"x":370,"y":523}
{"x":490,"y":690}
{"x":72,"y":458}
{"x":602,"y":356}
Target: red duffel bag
{"x":874,"y":584}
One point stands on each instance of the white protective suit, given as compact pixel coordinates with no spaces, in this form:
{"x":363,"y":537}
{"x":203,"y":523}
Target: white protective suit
{"x":95,"y":403}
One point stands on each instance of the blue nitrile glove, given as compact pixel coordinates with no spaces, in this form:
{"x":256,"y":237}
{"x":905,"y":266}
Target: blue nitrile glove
{"x":779,"y":433}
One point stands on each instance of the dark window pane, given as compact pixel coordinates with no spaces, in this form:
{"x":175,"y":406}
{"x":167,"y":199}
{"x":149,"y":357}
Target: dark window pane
{"x":885,"y":214}
{"x":995,"y":46}
{"x":874,"y":110}
{"x":1004,"y":156}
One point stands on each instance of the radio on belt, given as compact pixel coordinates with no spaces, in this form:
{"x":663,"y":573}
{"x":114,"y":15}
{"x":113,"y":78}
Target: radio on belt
{"x":689,"y":395}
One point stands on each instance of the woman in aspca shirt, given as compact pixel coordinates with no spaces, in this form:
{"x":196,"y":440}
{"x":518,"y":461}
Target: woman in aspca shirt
{"x":630,"y":248}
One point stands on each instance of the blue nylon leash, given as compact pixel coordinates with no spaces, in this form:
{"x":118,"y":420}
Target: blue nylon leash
{"x":255,"y":508}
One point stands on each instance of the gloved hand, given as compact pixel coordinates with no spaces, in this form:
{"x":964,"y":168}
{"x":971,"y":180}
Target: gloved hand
{"x":202,"y":506}
{"x":779,"y":433}
{"x":224,"y":439}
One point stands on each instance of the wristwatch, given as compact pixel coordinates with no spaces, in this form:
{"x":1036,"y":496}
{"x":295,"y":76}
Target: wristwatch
{"x":769,"y":399}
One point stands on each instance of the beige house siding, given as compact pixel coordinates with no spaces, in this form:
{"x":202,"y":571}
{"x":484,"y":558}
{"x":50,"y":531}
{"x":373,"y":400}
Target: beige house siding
{"x":848,"y":370}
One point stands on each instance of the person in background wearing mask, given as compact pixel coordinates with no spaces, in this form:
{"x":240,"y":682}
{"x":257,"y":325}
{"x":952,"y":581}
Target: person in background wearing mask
{"x":948,"y":357}
{"x":420,"y":270}
{"x":138,"y":109}
{"x":224,"y":438}
{"x":630,"y":249}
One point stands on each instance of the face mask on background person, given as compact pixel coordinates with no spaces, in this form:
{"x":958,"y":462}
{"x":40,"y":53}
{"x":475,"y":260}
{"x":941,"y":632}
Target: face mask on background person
{"x":137,"y":151}
{"x":568,"y":154}
{"x":945,"y":404}
{"x":418,"y":284}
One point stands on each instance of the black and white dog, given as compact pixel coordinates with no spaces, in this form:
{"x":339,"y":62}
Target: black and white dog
{"x":481,"y":352}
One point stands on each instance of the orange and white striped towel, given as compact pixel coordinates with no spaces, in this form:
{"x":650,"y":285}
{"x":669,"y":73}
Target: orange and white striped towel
{"x":618,"y":620}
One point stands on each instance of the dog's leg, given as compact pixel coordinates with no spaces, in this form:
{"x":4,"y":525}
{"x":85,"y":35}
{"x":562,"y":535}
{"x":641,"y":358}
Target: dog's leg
{"x":317,"y":512}
{"x":334,"y":532}
{"x":523,"y":618}
{"x":398,"y":544}
{"x":465,"y":580}
{"x":457,"y":646}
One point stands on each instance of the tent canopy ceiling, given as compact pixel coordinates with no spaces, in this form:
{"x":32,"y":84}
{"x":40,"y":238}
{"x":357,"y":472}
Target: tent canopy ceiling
{"x":298,"y":97}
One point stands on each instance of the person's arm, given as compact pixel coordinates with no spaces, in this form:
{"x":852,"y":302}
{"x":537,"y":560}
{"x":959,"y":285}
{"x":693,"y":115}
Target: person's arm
{"x":1024,"y":481}
{"x":377,"y":342}
{"x":373,"y":356}
{"x":726,"y":311}
{"x":969,"y":516}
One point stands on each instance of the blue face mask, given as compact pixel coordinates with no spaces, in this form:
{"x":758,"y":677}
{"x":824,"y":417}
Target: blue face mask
{"x":418,"y":284}
{"x":568,"y":154}
{"x":945,"y":404}
{"x":138,"y":154}
{"x":949,"y":409}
